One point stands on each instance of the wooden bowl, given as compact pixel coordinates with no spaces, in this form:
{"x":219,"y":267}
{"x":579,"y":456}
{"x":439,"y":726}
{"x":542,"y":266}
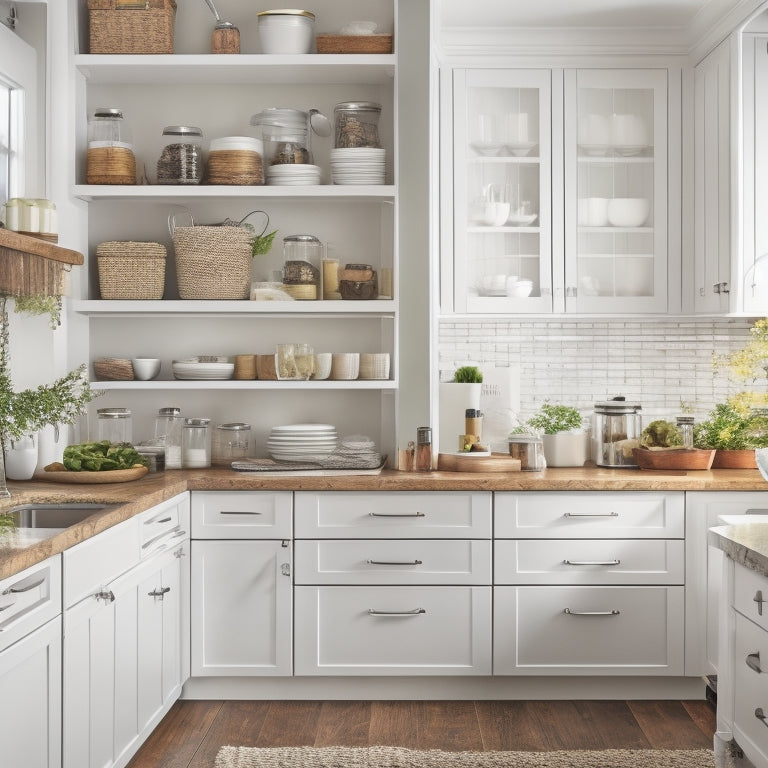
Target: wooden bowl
{"x":742,"y":459}
{"x":674,"y":458}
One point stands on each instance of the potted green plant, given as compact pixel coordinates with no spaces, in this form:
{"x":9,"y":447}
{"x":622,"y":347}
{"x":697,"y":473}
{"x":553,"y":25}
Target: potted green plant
{"x":456,"y":396}
{"x":562,"y":432}
{"x":734,"y":429}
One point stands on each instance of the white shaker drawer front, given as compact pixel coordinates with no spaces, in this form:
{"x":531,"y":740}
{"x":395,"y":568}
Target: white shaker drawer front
{"x":588,"y":630}
{"x":29,"y":599}
{"x":589,"y":561}
{"x":584,"y":515}
{"x":393,"y":515}
{"x":382,"y":561}
{"x":164,"y":524}
{"x":750,"y":684}
{"x":97,"y":561}
{"x":392,"y":631}
{"x":241,"y":514}
{"x":750,"y":595}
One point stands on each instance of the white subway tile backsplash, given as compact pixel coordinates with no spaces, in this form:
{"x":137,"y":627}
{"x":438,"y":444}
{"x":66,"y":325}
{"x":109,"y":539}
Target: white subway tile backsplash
{"x":659,"y":363}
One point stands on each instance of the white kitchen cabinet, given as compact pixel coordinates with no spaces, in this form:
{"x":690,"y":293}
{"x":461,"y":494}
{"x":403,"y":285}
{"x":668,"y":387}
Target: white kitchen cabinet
{"x":712,"y":181}
{"x":593,"y":169}
{"x":242,"y":611}
{"x":124,"y":658}
{"x":359,"y":223}
{"x":30,"y":666}
{"x":703,"y":571}
{"x":604,"y":570}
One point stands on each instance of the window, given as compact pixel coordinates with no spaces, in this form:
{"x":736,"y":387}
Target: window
{"x":6,"y":140}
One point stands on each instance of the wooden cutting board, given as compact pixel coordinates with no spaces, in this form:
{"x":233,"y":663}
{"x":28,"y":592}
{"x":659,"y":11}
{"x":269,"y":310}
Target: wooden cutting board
{"x":496,"y":462}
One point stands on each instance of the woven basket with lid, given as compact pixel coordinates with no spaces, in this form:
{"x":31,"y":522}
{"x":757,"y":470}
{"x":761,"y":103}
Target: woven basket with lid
{"x":131,"y":270}
{"x":131,"y":26}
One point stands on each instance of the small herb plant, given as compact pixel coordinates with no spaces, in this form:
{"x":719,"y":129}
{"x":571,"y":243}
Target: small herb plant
{"x":732,"y":426}
{"x":468,"y":374}
{"x":551,"y":419}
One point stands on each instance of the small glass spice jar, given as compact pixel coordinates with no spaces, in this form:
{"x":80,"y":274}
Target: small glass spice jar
{"x":685,"y":423}
{"x":529,"y":449}
{"x":181,"y":158}
{"x":357,"y":124}
{"x":196,"y":444}
{"x":168,"y":425}
{"x":115,"y":425}
{"x":230,"y":441}
{"x":423,"y":459}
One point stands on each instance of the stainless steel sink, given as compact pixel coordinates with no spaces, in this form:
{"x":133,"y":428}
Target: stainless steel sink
{"x":54,"y":515}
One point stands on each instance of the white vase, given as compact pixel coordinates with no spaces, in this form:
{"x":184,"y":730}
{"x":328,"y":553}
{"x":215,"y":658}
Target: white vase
{"x":21,"y":458}
{"x":454,"y":400}
{"x":566,"y":449}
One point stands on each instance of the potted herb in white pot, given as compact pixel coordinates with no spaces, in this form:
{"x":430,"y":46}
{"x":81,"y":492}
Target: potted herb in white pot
{"x":456,"y":397}
{"x":565,"y":440}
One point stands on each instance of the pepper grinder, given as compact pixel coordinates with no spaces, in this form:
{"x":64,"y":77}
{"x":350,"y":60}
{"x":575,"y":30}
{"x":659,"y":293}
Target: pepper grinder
{"x":225,"y":37}
{"x":423,"y":461}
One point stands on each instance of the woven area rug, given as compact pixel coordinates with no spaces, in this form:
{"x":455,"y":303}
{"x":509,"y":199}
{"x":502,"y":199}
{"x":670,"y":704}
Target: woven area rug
{"x":398,"y":757}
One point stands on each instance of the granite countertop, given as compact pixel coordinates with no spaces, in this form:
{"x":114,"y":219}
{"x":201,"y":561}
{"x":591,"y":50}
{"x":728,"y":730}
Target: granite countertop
{"x":745,"y":543}
{"x":24,"y":548}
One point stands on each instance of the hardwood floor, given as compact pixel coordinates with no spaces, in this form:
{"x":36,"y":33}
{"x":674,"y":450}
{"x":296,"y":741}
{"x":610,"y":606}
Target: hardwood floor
{"x":192,"y":732}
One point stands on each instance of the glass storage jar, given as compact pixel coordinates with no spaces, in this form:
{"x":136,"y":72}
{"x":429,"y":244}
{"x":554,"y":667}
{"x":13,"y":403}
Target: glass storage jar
{"x":616,"y":433}
{"x":357,"y":124}
{"x":529,"y":449}
{"x":286,"y":135}
{"x":686,"y":429}
{"x":302,"y":256}
{"x":181,"y":158}
{"x":230,"y":442}
{"x":168,"y":425}
{"x":110,"y":158}
{"x":115,"y":425}
{"x":196,"y":444}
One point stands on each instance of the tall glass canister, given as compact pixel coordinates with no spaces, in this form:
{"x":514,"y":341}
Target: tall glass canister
{"x":168,"y":428}
{"x":196,"y":444}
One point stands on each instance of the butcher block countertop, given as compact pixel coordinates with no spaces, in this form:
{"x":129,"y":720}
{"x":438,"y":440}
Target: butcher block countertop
{"x":23,"y":548}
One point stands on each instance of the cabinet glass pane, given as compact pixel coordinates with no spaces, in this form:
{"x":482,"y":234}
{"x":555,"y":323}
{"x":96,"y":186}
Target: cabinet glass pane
{"x":615,"y":188}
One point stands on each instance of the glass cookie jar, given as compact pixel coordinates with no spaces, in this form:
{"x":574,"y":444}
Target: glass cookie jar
{"x":181,"y":158}
{"x":230,"y":442}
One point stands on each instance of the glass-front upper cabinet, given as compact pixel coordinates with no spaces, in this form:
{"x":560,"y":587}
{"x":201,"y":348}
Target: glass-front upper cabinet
{"x":615,"y":190}
{"x":501,"y":206}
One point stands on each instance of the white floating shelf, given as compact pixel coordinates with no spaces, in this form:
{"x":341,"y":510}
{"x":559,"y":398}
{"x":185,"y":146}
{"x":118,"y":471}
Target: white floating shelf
{"x":232,"y":384}
{"x":246,"y":69}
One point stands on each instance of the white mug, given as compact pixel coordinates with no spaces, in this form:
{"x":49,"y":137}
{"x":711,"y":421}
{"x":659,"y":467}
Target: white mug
{"x":593,"y":211}
{"x":629,"y":131}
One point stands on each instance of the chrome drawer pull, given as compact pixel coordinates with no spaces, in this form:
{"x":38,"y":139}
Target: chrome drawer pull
{"x":414,"y":612}
{"x":164,"y":520}
{"x":6,"y":607}
{"x":161,"y":593}
{"x":238,"y":512}
{"x":14,"y":590}
{"x":753,"y":662}
{"x":758,"y":598}
{"x":760,"y":715}
{"x":394,"y":562}
{"x":397,"y":514}
{"x":591,"y":613}
{"x":591,"y":514}
{"x":591,"y":562}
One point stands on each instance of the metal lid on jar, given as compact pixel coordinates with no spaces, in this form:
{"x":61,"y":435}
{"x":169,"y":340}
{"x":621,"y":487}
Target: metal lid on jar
{"x":424,"y":435}
{"x":235,"y":426}
{"x":301,"y":239}
{"x":169,"y":411}
{"x":617,"y":407}
{"x":357,"y":106}
{"x":287,"y":12}
{"x":196,"y":422}
{"x":113,"y":413}
{"x":524,"y":438}
{"x":182,"y":130}
{"x":114,"y":113}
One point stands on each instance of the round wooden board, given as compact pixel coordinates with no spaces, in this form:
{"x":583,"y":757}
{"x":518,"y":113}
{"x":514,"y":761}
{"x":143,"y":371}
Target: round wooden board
{"x":108,"y":476}
{"x":496,"y":462}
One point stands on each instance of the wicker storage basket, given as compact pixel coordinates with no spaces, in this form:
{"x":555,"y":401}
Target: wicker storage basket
{"x":131,"y":26}
{"x":213,"y":262}
{"x":130,"y":270}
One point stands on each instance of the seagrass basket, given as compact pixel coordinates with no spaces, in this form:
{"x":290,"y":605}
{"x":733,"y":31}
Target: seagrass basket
{"x":131,"y":270}
{"x":213,"y":262}
{"x":131,"y":26}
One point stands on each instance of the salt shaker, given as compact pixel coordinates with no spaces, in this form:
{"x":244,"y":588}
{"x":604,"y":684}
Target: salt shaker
{"x":423,"y":460}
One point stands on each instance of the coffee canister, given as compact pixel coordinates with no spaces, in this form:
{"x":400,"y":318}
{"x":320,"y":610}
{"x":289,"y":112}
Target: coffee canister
{"x":616,"y":433}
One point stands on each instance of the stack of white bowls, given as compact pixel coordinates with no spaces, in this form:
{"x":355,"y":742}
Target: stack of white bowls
{"x":302,"y":442}
{"x":293,"y":174}
{"x":358,"y":165}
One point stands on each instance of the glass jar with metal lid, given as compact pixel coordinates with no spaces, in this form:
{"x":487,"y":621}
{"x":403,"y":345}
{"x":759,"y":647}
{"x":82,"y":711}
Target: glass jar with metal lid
{"x":302,"y":255}
{"x":357,"y":124}
{"x":230,"y":441}
{"x":529,"y":449}
{"x":617,"y":430}
{"x":168,"y":426}
{"x":286,"y":30}
{"x":181,"y":158}
{"x":115,"y":425}
{"x":110,"y":158}
{"x":196,"y":444}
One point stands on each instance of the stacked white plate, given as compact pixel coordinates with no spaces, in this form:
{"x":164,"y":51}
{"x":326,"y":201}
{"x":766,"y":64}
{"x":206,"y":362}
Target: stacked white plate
{"x":358,"y":165}
{"x":302,"y":442}
{"x":293,"y":174}
{"x":195,"y":371}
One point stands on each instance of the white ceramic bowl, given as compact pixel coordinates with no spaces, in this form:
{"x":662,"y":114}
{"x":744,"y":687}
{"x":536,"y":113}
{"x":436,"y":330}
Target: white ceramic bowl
{"x":283,"y":31}
{"x":628,"y":211}
{"x":322,"y":366}
{"x":345,"y":366}
{"x":761,"y":457}
{"x":519,"y":289}
{"x":145,"y":368}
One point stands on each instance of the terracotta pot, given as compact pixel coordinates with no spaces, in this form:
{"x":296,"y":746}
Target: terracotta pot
{"x":734,"y":460}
